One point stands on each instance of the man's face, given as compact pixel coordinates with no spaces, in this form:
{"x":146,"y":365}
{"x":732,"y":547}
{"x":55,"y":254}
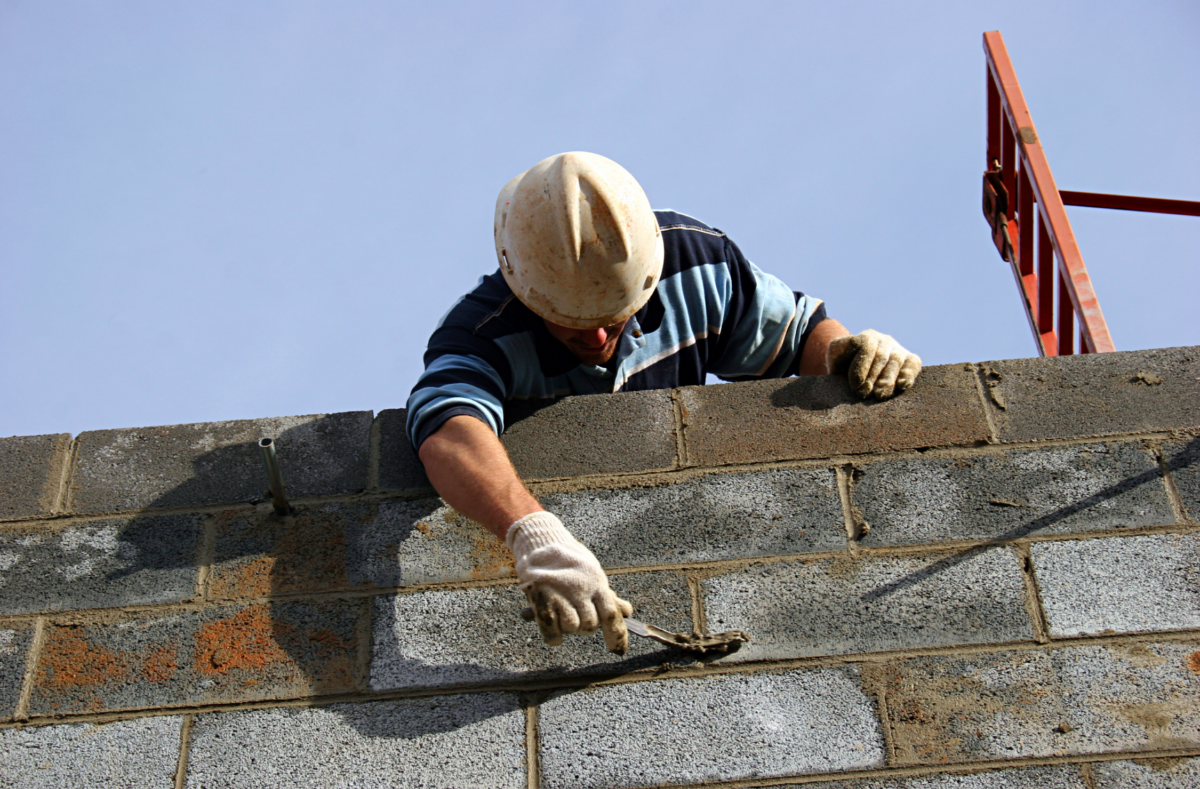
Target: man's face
{"x":591,"y":346}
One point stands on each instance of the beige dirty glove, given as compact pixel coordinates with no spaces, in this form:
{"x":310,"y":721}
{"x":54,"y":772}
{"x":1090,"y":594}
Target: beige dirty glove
{"x":874,"y":363}
{"x":564,"y":583}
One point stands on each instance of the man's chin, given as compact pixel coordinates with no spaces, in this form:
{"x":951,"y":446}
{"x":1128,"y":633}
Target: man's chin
{"x":596,"y":358}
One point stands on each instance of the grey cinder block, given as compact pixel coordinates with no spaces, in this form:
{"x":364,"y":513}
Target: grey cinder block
{"x":1044,"y":702}
{"x":1012,"y":494}
{"x":31,"y":472}
{"x":717,"y":516}
{"x":221,"y":654}
{"x":99,"y":564}
{"x":130,"y":754}
{"x":218,"y":462}
{"x":443,"y":638}
{"x":846,"y":606}
{"x":257,"y":554}
{"x":399,"y":466}
{"x":714,"y":517}
{"x":1150,"y":773}
{"x":14,"y":652}
{"x":716,"y":728}
{"x":441,"y":742}
{"x":1119,"y":584}
{"x":591,"y":434}
{"x":818,"y":417}
{"x":1094,"y":394}
{"x":1182,"y":459}
{"x":401,"y":543}
{"x":351,"y":545}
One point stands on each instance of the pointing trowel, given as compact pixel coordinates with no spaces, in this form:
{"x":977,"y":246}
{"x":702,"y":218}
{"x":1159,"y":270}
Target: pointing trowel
{"x":696,"y":643}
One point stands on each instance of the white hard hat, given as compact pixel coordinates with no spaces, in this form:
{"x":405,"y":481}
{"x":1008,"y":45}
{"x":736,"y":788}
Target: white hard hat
{"x":577,"y":241}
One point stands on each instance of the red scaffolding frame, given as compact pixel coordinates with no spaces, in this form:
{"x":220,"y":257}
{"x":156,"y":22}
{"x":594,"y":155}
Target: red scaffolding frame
{"x":1017,"y":166}
{"x":1018,"y":178}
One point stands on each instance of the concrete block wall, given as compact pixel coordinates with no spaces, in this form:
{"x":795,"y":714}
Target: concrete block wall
{"x":989,"y":582}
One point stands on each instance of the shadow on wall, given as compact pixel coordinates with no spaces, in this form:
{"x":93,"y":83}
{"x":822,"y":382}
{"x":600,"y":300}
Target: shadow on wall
{"x":1181,"y":459}
{"x":291,"y":608}
{"x":819,"y":393}
{"x":291,"y":602}
{"x":286,"y":615}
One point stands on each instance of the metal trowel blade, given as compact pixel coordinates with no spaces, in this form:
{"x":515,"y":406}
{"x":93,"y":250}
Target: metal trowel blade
{"x":696,"y":643}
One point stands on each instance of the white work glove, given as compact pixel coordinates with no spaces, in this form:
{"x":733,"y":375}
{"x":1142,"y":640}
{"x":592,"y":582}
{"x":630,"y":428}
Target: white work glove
{"x":565,"y":585}
{"x":874,"y":363}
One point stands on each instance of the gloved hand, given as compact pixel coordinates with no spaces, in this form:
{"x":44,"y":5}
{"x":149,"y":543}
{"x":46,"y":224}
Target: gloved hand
{"x":874,"y":363}
{"x":565,"y":585}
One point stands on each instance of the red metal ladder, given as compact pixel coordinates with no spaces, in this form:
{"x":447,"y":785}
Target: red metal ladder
{"x":1017,"y":167}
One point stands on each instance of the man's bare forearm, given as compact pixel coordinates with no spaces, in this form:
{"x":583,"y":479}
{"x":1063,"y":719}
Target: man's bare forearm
{"x":812,"y":359}
{"x":470,"y":470}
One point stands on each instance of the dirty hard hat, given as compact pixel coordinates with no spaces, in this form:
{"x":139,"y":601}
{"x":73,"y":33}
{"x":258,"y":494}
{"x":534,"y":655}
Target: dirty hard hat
{"x":577,"y":241}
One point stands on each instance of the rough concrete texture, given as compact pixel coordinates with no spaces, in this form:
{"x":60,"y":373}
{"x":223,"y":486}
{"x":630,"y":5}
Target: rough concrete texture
{"x":399,"y":467}
{"x":844,"y":606}
{"x":1182,"y":459}
{"x":476,"y":740}
{"x":430,"y":639}
{"x":595,"y":434}
{"x":227,"y":654}
{"x":1170,"y":773}
{"x":350,"y":545}
{"x":132,"y":754}
{"x":1094,"y":394}
{"x":1071,"y":700}
{"x":218,"y":462}
{"x":818,"y":417}
{"x":97,"y":564}
{"x":715,"y":728}
{"x":31,"y":473}
{"x":258,"y":554}
{"x":899,"y":659}
{"x":1119,"y":584}
{"x":14,"y":649}
{"x":1012,"y":494}
{"x":1050,"y":777}
{"x":401,"y":543}
{"x":718,"y":516}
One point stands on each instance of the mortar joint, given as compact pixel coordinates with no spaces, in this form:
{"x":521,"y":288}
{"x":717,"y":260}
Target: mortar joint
{"x":1033,"y":595}
{"x":986,"y":391}
{"x":1173,"y":496}
{"x":533,"y":772}
{"x":62,"y":497}
{"x":374,"y":450}
{"x":185,"y":736}
{"x":679,"y":412}
{"x":32,"y":658}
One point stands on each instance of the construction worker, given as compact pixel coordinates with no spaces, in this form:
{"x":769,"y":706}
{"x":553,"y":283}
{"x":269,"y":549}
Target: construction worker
{"x":596,"y":292}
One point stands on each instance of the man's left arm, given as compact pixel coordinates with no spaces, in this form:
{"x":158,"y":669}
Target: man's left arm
{"x":875,"y":364}
{"x":813,"y":359}
{"x":765,"y":320}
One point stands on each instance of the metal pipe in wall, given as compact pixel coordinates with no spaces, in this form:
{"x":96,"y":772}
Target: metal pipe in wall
{"x":277,"y":493}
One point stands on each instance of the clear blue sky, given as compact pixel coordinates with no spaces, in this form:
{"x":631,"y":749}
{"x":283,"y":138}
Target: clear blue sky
{"x":225,"y":210}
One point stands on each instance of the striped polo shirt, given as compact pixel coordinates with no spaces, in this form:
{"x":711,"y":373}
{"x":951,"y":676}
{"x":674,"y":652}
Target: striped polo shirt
{"x":713,"y":312}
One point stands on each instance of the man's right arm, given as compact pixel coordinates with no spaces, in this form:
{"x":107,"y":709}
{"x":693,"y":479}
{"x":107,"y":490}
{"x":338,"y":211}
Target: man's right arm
{"x":563,"y":581}
{"x":470,"y":470}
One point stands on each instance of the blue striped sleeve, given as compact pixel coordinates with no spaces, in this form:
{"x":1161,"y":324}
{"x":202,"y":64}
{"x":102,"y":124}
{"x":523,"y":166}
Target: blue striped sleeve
{"x":765,"y":330}
{"x":455,"y":384}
